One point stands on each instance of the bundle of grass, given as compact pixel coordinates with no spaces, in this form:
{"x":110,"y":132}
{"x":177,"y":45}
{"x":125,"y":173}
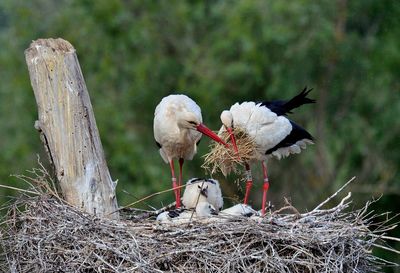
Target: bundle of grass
{"x":227,"y":160}
{"x":41,"y":233}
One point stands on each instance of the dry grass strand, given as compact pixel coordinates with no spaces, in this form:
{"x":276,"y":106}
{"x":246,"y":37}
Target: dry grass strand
{"x":226,"y":159}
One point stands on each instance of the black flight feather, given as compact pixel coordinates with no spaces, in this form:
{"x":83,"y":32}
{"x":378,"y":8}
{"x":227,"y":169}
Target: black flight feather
{"x":297,"y":133}
{"x":283,"y":107}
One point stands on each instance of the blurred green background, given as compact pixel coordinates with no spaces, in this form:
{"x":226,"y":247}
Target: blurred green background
{"x":133,"y":53}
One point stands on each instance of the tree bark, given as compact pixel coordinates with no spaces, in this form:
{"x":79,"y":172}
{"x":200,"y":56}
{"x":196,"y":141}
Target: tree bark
{"x":68,"y":127}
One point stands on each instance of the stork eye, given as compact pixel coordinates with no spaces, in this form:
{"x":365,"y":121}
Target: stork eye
{"x":199,"y":186}
{"x":192,"y":122}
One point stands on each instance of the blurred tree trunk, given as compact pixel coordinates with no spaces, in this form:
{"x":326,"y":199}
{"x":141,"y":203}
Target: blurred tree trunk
{"x":326,"y":171}
{"x":68,"y":127}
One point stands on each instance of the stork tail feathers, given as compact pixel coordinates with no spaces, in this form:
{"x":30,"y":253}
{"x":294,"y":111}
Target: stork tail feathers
{"x":298,"y":100}
{"x":283,"y":107}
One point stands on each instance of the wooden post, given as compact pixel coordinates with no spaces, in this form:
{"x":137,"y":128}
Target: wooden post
{"x":68,"y":127}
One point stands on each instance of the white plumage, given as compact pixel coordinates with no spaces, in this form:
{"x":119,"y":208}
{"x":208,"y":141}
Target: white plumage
{"x":202,"y":190}
{"x":177,"y":130}
{"x":239,"y":210}
{"x":175,"y":121}
{"x":202,"y":210}
{"x":272,"y":132}
{"x":265,"y":127}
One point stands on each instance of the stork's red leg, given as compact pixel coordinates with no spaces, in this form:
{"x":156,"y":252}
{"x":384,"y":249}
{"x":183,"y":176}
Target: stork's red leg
{"x":181,"y":160}
{"x":174,"y":184}
{"x":249,"y":183}
{"x":265,"y":188}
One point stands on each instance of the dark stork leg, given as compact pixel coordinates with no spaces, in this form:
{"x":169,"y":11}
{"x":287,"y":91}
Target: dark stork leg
{"x":265,"y":187}
{"x":249,"y":183}
{"x":181,"y":160}
{"x":174,"y":184}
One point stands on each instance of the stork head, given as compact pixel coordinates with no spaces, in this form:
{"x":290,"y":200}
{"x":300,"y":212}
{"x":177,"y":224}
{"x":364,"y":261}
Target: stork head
{"x":189,"y":120}
{"x":204,"y":209}
{"x":203,"y":190}
{"x":227,"y":121}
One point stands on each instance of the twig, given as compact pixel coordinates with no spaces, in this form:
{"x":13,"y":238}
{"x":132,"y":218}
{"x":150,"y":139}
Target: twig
{"x":386,"y":237}
{"x":333,"y":195}
{"x":387,"y":248}
{"x":147,"y":197}
{"x":18,"y":189}
{"x":288,"y":206}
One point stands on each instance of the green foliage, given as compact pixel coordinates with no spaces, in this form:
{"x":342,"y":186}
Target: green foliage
{"x":133,"y":53}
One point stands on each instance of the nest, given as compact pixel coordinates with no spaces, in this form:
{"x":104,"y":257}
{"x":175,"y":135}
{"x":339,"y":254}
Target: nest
{"x":226,"y":159}
{"x":41,"y":233}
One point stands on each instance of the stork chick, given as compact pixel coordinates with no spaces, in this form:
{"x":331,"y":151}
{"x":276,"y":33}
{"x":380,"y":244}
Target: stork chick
{"x":202,"y":210}
{"x":239,"y":210}
{"x":202,"y":190}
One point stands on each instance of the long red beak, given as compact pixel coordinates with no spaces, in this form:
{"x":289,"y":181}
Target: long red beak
{"x":204,"y":130}
{"x":233,"y":140}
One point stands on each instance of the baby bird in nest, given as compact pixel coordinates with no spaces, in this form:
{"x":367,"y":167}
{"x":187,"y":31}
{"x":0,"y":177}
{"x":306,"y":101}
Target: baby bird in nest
{"x":202,"y":190}
{"x":202,"y":210}
{"x":239,"y":210}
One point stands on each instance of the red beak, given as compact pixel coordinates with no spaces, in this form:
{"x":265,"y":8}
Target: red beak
{"x":233,"y":140}
{"x":204,"y":130}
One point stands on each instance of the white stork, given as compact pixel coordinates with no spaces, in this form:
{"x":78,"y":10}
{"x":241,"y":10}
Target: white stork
{"x":177,"y":130}
{"x":273,"y":133}
{"x":202,"y":190}
{"x":202,"y":210}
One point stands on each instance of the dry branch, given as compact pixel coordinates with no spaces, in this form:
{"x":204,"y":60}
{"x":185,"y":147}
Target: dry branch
{"x":68,"y":127}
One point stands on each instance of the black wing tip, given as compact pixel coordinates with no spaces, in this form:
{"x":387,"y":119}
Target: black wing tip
{"x":310,"y":137}
{"x":303,"y":94}
{"x":298,"y":133}
{"x":174,"y":213}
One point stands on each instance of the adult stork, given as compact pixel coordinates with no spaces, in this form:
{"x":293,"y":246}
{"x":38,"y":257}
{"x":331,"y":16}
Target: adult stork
{"x":178,"y":127}
{"x":273,"y":133}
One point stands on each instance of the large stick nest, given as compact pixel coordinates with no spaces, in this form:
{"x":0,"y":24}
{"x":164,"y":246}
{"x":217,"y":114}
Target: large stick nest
{"x":41,"y":233}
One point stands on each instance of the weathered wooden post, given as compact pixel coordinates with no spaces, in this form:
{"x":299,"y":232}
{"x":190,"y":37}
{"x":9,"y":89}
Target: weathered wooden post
{"x":68,"y":127}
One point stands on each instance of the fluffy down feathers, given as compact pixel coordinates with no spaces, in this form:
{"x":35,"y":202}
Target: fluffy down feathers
{"x":202,"y":210}
{"x":202,"y":190}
